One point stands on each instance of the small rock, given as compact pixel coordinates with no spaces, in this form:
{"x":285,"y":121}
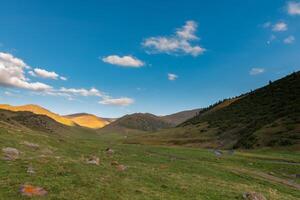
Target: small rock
{"x":121,"y":168}
{"x":10,"y":153}
{"x":218,"y":153}
{"x":253,"y":196}
{"x":30,"y":170}
{"x":297,"y":175}
{"x":109,"y":151}
{"x":93,"y":160}
{"x":31,"y":145}
{"x":29,"y":191}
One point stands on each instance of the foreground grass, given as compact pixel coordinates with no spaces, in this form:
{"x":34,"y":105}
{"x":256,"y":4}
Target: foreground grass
{"x":154,"y":172}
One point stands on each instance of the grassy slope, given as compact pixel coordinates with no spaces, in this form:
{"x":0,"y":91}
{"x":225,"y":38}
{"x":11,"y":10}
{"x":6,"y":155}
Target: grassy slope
{"x":269,"y":116}
{"x":137,"y":121}
{"x":88,"y":120}
{"x":40,"y":111}
{"x":180,"y":117}
{"x":153,"y":172}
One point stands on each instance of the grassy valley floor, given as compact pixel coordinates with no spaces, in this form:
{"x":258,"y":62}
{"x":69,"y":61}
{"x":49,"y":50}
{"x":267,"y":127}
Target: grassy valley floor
{"x":153,"y":172}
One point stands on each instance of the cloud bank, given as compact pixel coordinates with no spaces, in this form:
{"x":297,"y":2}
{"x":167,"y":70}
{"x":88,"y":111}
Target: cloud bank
{"x":13,"y":74}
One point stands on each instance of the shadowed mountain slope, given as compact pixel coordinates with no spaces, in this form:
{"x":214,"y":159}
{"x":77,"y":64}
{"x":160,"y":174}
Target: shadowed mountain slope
{"x":268,"y":116}
{"x":180,"y":117}
{"x":40,"y":111}
{"x":20,"y":120}
{"x":138,"y":121}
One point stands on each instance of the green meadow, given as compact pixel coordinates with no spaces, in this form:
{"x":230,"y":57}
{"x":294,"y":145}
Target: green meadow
{"x":152,"y":172}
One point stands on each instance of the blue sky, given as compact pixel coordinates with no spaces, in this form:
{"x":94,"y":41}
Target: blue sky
{"x":111,"y":58}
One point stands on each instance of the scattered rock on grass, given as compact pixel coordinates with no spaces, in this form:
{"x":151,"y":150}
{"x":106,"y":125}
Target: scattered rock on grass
{"x":218,"y":153}
{"x":253,"y":196}
{"x":10,"y":153}
{"x":31,"y":145}
{"x":29,"y":191}
{"x":30,"y":170}
{"x":109,"y":151}
{"x":93,"y":160}
{"x":121,"y":168}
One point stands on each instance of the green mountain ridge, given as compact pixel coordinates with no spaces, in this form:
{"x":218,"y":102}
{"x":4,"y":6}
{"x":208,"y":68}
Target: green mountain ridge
{"x":266,"y":117}
{"x":148,"y":122}
{"x":138,"y":121}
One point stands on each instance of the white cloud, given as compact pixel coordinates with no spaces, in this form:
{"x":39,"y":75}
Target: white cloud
{"x":279,"y":27}
{"x":12,"y":74}
{"x":45,"y":74}
{"x":123,"y":101}
{"x":180,"y":43}
{"x":289,"y":40}
{"x":63,"y":78}
{"x":188,"y":31}
{"x":293,"y":8}
{"x":105,"y":99}
{"x":42,"y":73}
{"x":81,"y":92}
{"x":125,"y":61}
{"x":172,"y":77}
{"x":256,"y":71}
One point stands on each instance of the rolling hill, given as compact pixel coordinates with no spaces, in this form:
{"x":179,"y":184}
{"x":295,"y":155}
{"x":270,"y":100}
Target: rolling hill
{"x":79,"y":119}
{"x":268,"y":116}
{"x":148,"y":122}
{"x":139,"y":122}
{"x":40,"y":111}
{"x":88,"y":120}
{"x":24,"y":120}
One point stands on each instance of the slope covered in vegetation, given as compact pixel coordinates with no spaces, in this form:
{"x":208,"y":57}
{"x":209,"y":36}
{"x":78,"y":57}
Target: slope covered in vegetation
{"x":268,"y":116}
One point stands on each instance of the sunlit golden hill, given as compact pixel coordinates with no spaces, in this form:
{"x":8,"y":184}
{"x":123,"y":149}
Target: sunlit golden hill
{"x":39,"y":110}
{"x":88,"y":120}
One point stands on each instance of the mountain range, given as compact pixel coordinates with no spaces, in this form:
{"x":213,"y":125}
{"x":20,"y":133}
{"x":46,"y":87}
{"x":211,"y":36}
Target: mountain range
{"x":266,"y":117}
{"x":136,"y":121}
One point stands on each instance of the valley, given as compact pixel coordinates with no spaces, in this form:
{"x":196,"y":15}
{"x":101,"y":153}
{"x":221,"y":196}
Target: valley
{"x":201,"y":154}
{"x":152,"y":172}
